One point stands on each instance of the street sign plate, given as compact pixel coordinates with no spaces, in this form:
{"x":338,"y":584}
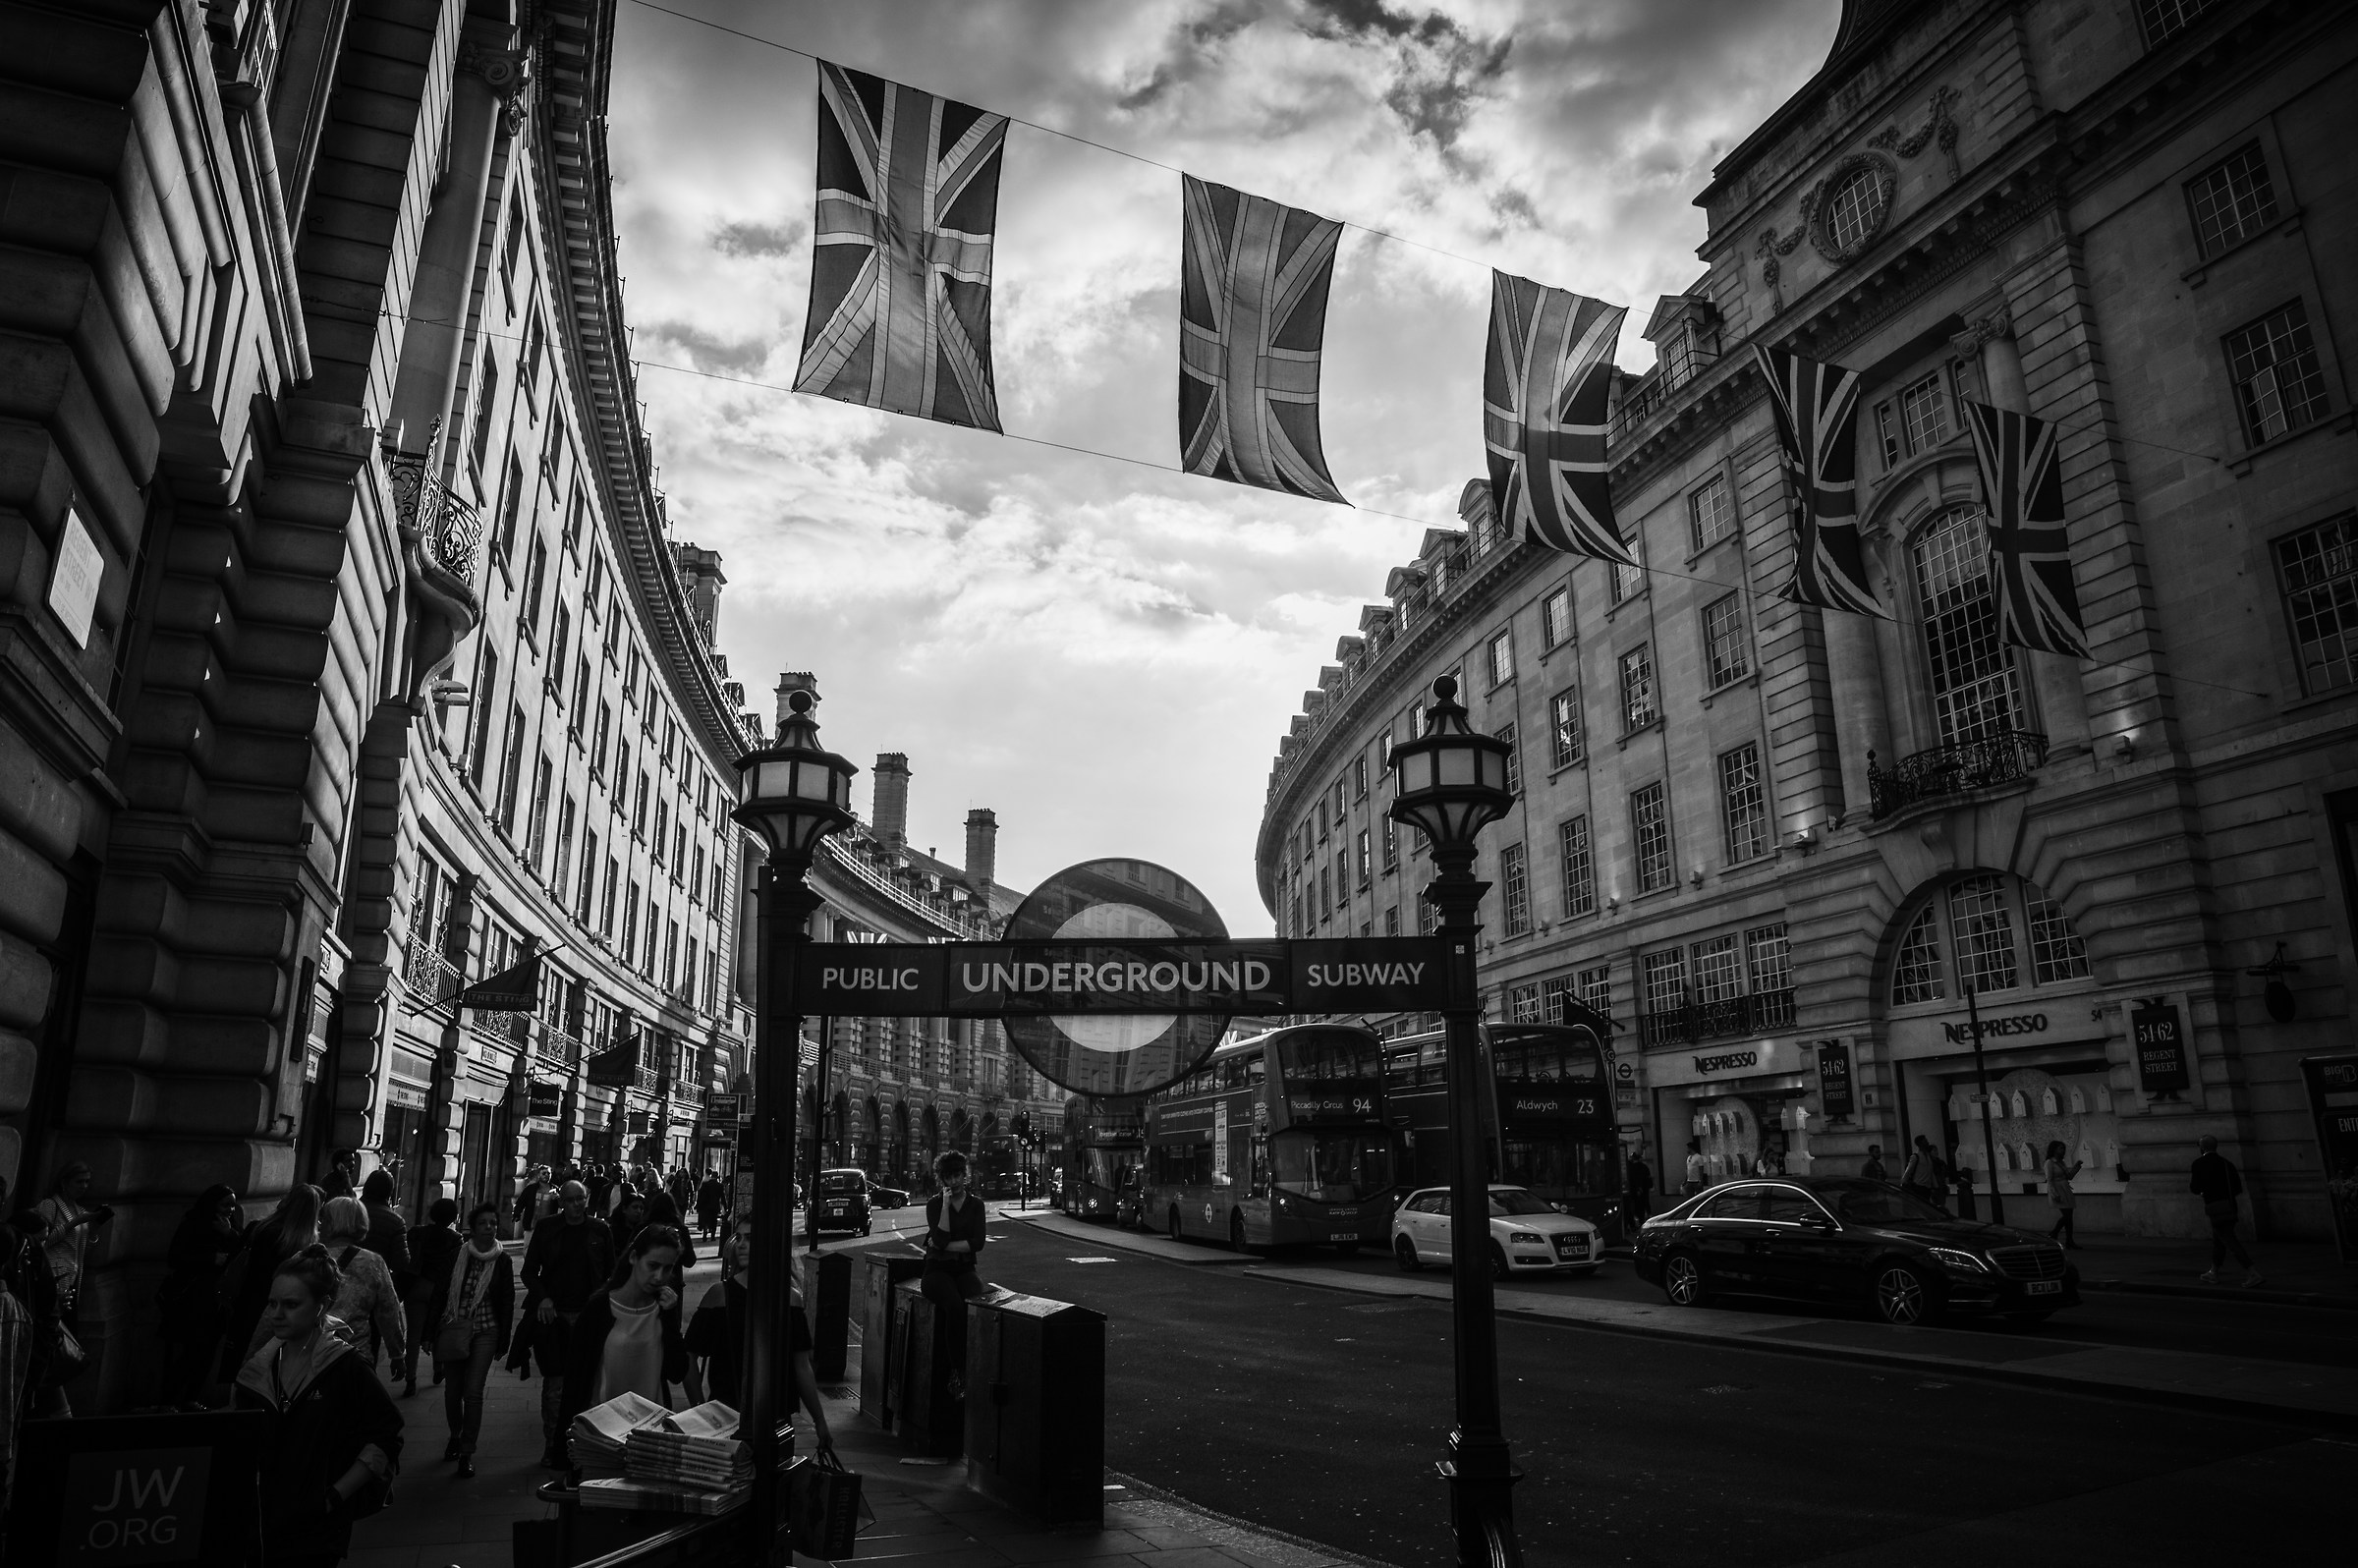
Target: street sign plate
{"x":723,"y":1108}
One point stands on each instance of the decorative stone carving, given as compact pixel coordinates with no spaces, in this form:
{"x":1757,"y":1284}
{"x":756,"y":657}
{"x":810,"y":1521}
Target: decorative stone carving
{"x":509,"y":72}
{"x":1818,"y":223}
{"x":1937,"y":127}
{"x":1812,"y":220}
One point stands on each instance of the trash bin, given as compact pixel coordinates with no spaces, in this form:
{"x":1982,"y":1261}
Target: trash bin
{"x":924,"y":1416}
{"x":1036,"y":1407}
{"x":828,"y":1299}
{"x":875,"y":1333}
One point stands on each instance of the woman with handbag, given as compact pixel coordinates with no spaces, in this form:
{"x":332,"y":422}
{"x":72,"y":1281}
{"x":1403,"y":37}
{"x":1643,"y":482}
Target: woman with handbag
{"x":335,"y":1446}
{"x":366,"y":1305}
{"x":189,"y":1302}
{"x":473,"y":1305}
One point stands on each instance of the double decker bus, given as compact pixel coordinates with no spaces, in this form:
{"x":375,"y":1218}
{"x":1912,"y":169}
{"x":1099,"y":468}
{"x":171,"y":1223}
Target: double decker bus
{"x":1548,"y":1119}
{"x":1277,"y":1141}
{"x":1104,"y":1146}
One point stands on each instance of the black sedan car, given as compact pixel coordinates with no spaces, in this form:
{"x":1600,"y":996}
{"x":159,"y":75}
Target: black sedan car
{"x":1849,"y":1239}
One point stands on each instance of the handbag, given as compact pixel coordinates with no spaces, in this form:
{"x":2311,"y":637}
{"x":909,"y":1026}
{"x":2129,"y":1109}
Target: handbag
{"x":454,"y":1340}
{"x":823,"y":1507}
{"x":66,"y":1359}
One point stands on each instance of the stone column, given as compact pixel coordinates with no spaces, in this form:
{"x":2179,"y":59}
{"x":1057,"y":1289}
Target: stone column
{"x":1861,"y":721}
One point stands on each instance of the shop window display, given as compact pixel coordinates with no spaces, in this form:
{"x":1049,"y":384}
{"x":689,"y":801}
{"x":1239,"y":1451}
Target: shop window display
{"x":2030,"y":1107}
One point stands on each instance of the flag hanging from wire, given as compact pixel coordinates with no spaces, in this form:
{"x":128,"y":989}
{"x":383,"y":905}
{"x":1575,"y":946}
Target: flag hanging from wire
{"x":1816,"y":409}
{"x":900,"y":268}
{"x":2030,"y":545}
{"x":1253,"y":283}
{"x":1544,"y":380}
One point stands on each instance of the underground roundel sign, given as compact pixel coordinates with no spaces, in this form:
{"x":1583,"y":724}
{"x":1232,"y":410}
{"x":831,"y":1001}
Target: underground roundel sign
{"x":1116,"y":1054}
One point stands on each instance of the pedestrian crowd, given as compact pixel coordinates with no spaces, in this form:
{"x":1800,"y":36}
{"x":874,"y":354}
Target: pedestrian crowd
{"x":321,"y":1311}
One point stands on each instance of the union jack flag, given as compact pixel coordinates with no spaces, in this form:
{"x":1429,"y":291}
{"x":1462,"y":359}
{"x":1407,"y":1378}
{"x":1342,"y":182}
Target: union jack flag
{"x":1816,"y":409}
{"x":900,"y":270}
{"x":1252,"y":290}
{"x":2030,"y":545}
{"x":1544,"y":380}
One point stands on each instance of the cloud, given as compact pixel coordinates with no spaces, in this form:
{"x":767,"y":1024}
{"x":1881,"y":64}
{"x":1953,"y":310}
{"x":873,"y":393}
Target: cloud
{"x":1104,"y":651}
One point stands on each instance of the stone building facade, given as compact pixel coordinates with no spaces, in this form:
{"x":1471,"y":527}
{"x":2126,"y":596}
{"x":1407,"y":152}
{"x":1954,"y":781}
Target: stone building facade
{"x":347,"y":657}
{"x":1779,"y":845}
{"x":899,"y":1090}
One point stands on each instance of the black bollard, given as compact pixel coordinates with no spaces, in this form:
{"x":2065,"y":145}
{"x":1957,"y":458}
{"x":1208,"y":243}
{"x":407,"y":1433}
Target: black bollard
{"x":827,"y":1291}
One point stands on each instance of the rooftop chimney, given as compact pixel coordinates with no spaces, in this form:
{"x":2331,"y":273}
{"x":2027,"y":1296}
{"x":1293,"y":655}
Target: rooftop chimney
{"x":889,"y":819}
{"x":701,"y":577}
{"x":791,"y":682}
{"x":982,"y":850}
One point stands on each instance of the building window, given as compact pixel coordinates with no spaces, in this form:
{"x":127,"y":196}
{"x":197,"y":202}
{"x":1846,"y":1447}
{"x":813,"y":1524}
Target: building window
{"x":1724,"y":640}
{"x":1366,"y":860}
{"x":588,"y":890}
{"x":1555,"y":617}
{"x":1359,"y":778}
{"x":630,"y":924}
{"x":1595,"y":989}
{"x":1391,"y":920}
{"x":1326,"y":892}
{"x":1649,"y":831}
{"x":1923,"y":413}
{"x":1718,"y":972}
{"x":1662,"y":978}
{"x":1579,"y":867}
{"x":1514,"y":883}
{"x":1342,"y":883}
{"x":1553,"y":995}
{"x":1522,"y":1004}
{"x":1976,"y":692}
{"x":1322,"y":818}
{"x":1503,"y":658}
{"x":1983,"y":929}
{"x":1768,"y":957}
{"x":1854,"y":207}
{"x":482,"y":419}
{"x":560,"y":874}
{"x":2320,"y":570}
{"x":2232,"y":200}
{"x":597,"y":747}
{"x":511,"y":502}
{"x":511,"y":771}
{"x":479,"y":747}
{"x":1713,"y":514}
{"x":1563,"y":728}
{"x":537,"y":828}
{"x":1630,"y":580}
{"x":580,"y":697}
{"x":2279,"y":386}
{"x":2165,"y":20}
{"x":1514,"y":759}
{"x":2056,"y":952}
{"x":1639,"y":705}
{"x":1743,"y":804}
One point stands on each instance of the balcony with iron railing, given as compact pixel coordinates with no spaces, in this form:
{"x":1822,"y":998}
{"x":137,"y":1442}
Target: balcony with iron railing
{"x":429,"y":976}
{"x":1691,"y":1023}
{"x":554,"y":1050}
{"x":892,"y":875}
{"x":1954,"y":772}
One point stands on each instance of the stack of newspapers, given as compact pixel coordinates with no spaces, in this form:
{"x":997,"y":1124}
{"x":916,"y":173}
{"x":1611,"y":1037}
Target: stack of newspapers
{"x":636,"y":1455}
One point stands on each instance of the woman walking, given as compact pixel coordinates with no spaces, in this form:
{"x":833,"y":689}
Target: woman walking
{"x":367,"y":1303}
{"x":708,"y":1205}
{"x":661,"y":1210}
{"x":433,"y":1245}
{"x":72,"y":1217}
{"x":473,"y":1305}
{"x":335,"y":1446}
{"x":291,"y":1227}
{"x":2058,"y":1188}
{"x":189,"y":1302}
{"x":628,"y":1335}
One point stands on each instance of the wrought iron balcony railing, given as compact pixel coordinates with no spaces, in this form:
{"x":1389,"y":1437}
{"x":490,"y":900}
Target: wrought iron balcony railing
{"x":1691,"y":1021}
{"x":429,"y":976}
{"x":452,"y":529}
{"x":1958,"y":768}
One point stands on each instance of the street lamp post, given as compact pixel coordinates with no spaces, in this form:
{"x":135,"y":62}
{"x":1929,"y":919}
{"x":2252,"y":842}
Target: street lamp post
{"x":1451,"y":783}
{"x":794,"y":794}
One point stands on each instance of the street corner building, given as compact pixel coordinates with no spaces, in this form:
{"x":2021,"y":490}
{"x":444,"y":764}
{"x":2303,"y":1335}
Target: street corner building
{"x":888,"y":1094}
{"x":1794,"y":852}
{"x":348,"y":658}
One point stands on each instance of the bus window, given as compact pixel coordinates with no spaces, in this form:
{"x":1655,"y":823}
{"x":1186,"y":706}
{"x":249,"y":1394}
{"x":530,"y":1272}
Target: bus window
{"x":1336,"y":1167}
{"x":1261,"y":1168}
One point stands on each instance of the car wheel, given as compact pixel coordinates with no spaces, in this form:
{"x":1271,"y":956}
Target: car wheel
{"x":1406,"y":1251}
{"x":1176,"y":1233}
{"x":1903,"y":1297}
{"x":1682,"y":1281}
{"x":1498,"y":1268}
{"x":1236,"y":1231}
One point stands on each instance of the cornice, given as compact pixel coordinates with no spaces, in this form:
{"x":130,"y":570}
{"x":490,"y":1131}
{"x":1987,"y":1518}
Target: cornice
{"x":574,"y":45}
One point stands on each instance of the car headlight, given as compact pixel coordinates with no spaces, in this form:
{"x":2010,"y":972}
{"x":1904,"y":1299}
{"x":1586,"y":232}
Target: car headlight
{"x":1527,"y":1237}
{"x":1962,"y":1262}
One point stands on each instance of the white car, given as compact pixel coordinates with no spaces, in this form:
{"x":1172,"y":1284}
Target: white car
{"x":1528,"y":1234}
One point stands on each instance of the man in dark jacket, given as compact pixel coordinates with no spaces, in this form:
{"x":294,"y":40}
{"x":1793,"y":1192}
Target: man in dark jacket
{"x":1637,"y":1184}
{"x":2218,"y":1184}
{"x":433,"y":1249}
{"x":566,"y":1262}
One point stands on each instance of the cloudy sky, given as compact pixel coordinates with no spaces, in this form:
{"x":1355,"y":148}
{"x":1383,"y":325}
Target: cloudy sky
{"x":1104,"y":651}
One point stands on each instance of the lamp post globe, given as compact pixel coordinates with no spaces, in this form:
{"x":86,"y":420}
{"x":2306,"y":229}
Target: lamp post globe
{"x":794,"y":793}
{"x":1450,"y":784}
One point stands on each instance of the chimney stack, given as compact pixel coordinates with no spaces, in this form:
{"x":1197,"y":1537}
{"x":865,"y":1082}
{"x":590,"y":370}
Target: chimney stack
{"x":791,"y":682}
{"x":889,"y":819}
{"x":982,"y":850}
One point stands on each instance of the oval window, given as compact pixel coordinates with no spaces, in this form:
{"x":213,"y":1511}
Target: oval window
{"x":1854,"y":207}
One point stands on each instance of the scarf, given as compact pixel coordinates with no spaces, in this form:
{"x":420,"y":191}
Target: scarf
{"x":460,"y":1311}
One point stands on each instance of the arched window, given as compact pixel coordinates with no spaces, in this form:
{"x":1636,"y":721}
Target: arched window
{"x":1991,"y":934}
{"x":1977,"y":692}
{"x":1854,"y":207}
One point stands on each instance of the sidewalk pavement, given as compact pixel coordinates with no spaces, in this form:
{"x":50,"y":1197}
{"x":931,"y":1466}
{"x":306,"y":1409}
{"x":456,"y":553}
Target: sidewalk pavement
{"x":2297,"y":1274}
{"x":926,"y":1516}
{"x":2325,"y":1396}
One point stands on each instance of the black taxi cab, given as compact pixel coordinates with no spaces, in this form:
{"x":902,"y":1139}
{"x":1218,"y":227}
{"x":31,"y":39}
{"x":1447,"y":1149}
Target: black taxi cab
{"x":843,"y":1200}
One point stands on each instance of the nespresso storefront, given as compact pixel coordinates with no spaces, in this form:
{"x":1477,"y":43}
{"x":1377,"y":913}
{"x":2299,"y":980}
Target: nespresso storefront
{"x":2048,"y":1059}
{"x":1744,"y":1102}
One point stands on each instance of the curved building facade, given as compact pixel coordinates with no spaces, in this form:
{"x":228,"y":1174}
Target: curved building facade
{"x":1779,"y":846}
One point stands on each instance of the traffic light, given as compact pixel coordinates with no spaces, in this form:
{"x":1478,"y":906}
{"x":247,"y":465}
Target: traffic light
{"x":1020,"y":1126}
